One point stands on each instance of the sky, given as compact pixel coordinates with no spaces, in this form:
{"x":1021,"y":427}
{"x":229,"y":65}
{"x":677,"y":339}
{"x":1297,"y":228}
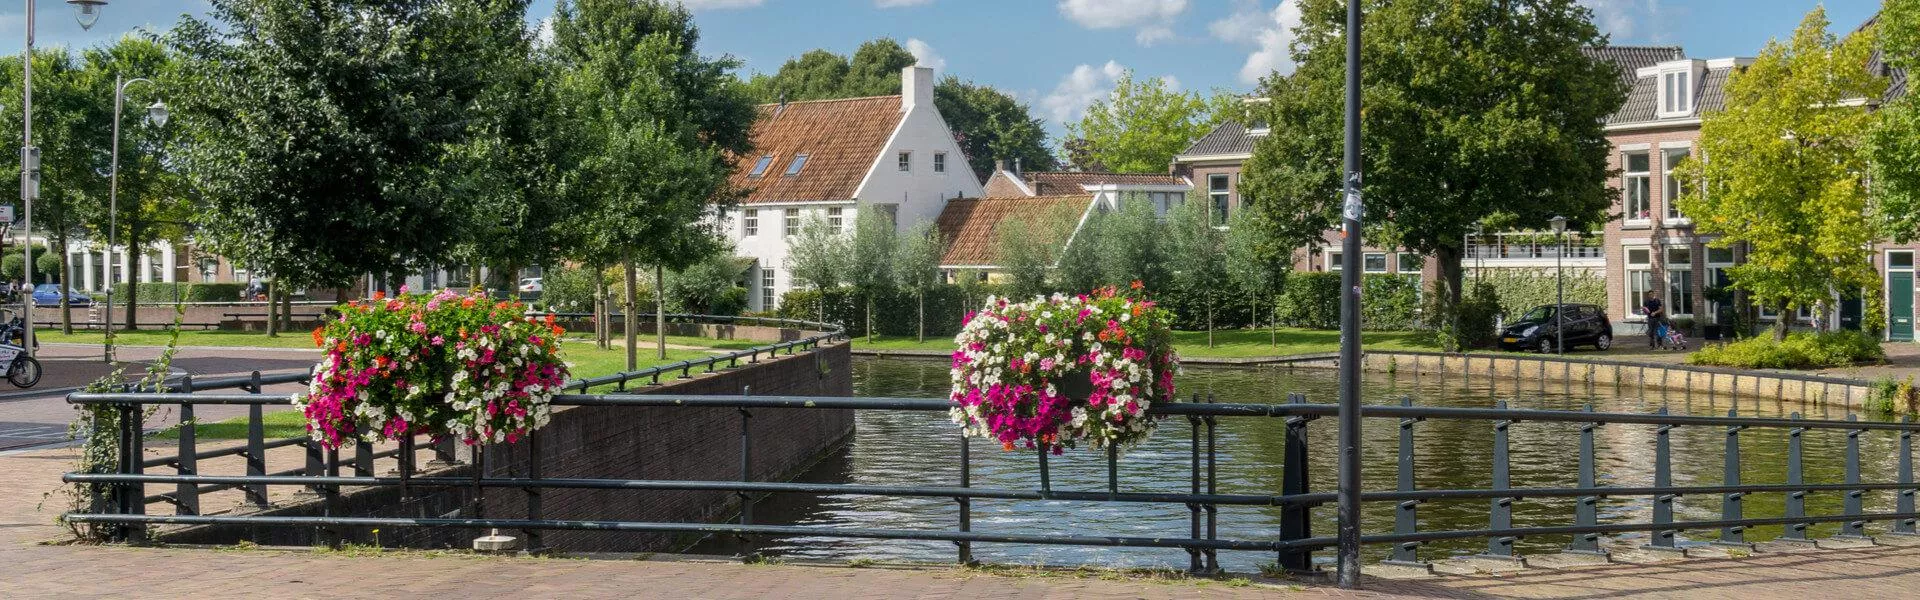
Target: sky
{"x":1055,"y":55}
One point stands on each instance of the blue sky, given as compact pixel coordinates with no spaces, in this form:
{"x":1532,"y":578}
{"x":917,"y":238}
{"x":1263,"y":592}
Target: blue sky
{"x":1057,"y":55}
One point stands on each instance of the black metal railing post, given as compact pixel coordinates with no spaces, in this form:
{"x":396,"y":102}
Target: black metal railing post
{"x":534,"y":545}
{"x":1731,"y":506}
{"x":966,"y":503}
{"x":746,"y":458}
{"x":1194,"y":563}
{"x":1213,"y":487}
{"x":124,"y":498}
{"x":1852,"y":504}
{"x":316,"y":465}
{"x":256,"y":445}
{"x":1295,"y":518}
{"x":1586,"y":509}
{"x":363,"y":458}
{"x":1796,"y":476}
{"x":1405,"y":519}
{"x":1663,"y":539}
{"x":187,"y":495}
{"x":1903,"y":500}
{"x":330,"y":494}
{"x":1500,"y":514}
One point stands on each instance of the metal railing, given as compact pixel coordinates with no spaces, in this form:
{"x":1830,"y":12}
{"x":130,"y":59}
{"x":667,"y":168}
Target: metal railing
{"x":1292,"y":543}
{"x":1531,"y":245}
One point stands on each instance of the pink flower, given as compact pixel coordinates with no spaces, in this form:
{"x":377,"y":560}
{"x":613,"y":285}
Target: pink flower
{"x":403,"y":288}
{"x":418,"y":327}
{"x":437,"y":340}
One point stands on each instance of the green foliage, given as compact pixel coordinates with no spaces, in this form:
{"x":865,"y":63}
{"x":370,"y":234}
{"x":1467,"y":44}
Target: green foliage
{"x":917,"y":267}
{"x":1025,"y":254}
{"x":1390,"y":302}
{"x":1800,"y":350}
{"x":164,"y":293}
{"x":709,"y":286}
{"x":1387,"y":302}
{"x":1893,"y":396}
{"x":10,"y":264}
{"x":1141,"y":126}
{"x":1135,"y":246}
{"x":1519,"y":290}
{"x":1784,"y":178}
{"x":894,"y":310}
{"x":1457,"y":93}
{"x":568,"y":289}
{"x":821,"y":257}
{"x":875,"y":239}
{"x":1201,"y":287}
{"x":1311,"y":300}
{"x":873,"y":70}
{"x":991,"y":125}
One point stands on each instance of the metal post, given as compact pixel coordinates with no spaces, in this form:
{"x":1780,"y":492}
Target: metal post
{"x":1903,"y":503}
{"x":113,"y":210}
{"x":746,"y":459}
{"x":363,"y":458}
{"x":1730,"y":503}
{"x":1501,"y":512}
{"x":1295,"y":519}
{"x":1560,"y":295}
{"x":534,"y":545}
{"x":28,"y":178}
{"x":1797,"y":499}
{"x":1405,"y":520}
{"x":966,"y":503}
{"x":187,"y":495}
{"x":1213,"y":487}
{"x":256,"y":449}
{"x":1194,"y":565}
{"x":1851,"y":506}
{"x":1663,"y":539}
{"x":1349,"y":492}
{"x":1586,"y":508}
{"x":331,"y":497}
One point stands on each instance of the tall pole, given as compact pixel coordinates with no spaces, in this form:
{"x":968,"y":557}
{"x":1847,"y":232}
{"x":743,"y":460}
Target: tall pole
{"x":27,"y":190}
{"x":113,"y":215}
{"x":1349,"y":525}
{"x":1560,"y":296}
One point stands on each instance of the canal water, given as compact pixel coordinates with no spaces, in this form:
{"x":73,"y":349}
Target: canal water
{"x":908,"y":448}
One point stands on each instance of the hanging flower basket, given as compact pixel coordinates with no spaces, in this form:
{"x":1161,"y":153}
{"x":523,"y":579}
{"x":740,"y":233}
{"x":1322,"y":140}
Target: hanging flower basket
{"x":444,"y":365}
{"x":1056,"y":371}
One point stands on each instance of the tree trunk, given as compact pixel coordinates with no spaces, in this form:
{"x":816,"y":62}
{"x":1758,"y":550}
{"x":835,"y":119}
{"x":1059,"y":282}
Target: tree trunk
{"x":1448,"y":287}
{"x":286,"y":310}
{"x":660,"y":309}
{"x":66,"y":310}
{"x":1209,"y":321}
{"x":922,"y":317}
{"x":869,"y":317}
{"x":601,"y":321}
{"x":627,"y":314}
{"x":273,"y":321}
{"x":1782,"y":322}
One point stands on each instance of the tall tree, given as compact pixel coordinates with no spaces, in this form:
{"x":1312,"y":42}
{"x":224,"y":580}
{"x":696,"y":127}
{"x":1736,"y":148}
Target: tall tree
{"x":1024,"y":255}
{"x":871,"y":269}
{"x":917,"y":269}
{"x":1473,"y":108}
{"x":992,"y":126}
{"x":153,"y":201}
{"x":1135,"y":247}
{"x":67,"y":126}
{"x":1141,"y":125}
{"x":1200,"y":275}
{"x":821,"y":257}
{"x":1257,"y":268}
{"x":321,"y":131}
{"x":1894,"y":143}
{"x":1783,"y":166}
{"x":1082,"y":264}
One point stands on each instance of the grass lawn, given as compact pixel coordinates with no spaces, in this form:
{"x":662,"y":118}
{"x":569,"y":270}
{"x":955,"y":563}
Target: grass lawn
{"x":1233,"y":343}
{"x":304,"y":339}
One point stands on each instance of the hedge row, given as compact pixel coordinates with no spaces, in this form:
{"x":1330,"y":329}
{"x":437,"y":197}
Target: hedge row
{"x":1520,"y":290}
{"x":895,"y":313}
{"x":1387,"y":302}
{"x":165,"y":293}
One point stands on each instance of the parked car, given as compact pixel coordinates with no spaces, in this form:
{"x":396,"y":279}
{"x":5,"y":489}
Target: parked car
{"x":48,"y":294}
{"x":532,"y":285}
{"x":1586,"y":325}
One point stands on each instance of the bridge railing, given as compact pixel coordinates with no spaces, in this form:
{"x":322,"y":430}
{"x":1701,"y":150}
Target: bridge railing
{"x":1292,"y":543}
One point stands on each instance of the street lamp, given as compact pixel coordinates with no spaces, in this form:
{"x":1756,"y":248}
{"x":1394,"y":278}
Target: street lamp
{"x":86,"y":12}
{"x":156,"y":115}
{"x":1560,"y":286}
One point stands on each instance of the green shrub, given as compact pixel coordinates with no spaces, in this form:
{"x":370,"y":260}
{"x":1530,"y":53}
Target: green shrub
{"x":1390,"y":303}
{"x":896,"y":312}
{"x":1469,"y":325}
{"x":1312,"y":300}
{"x":1801,"y":350}
{"x":10,"y":264}
{"x":1891,"y":396}
{"x":164,"y":293}
{"x":1519,"y":290}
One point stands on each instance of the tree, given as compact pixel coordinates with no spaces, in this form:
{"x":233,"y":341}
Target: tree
{"x":1134,"y":246}
{"x":1893,"y":145}
{"x":708,"y":286}
{"x":819,"y":74}
{"x":871,"y":268}
{"x":320,"y":133}
{"x":1782,"y":170}
{"x":1142,"y":125}
{"x":1257,"y":269}
{"x":917,"y":269}
{"x":1473,"y":108}
{"x":153,"y":201}
{"x":654,"y":126}
{"x":1025,"y":255}
{"x":67,"y":126}
{"x":1081,"y":266}
{"x":1200,"y":276}
{"x":992,"y":126}
{"x":820,"y":257}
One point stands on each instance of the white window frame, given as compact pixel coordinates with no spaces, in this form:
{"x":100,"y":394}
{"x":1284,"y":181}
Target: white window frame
{"x":749,"y":222}
{"x":1676,"y":93}
{"x":1670,"y":187}
{"x":792,"y":221}
{"x":939,"y":162}
{"x":1639,"y":279}
{"x":1220,"y":195}
{"x":1419,"y":263}
{"x":906,"y":161}
{"x":1636,"y":183}
{"x":1715,"y":270}
{"x":767,"y":299}
{"x":1675,"y":307}
{"x":1366,"y":262}
{"x":1333,"y":260}
{"x":835,"y":219}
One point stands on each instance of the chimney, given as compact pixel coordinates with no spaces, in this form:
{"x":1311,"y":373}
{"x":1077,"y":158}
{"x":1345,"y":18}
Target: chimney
{"x":1016,"y":166}
{"x":999,"y":164}
{"x":916,"y":87}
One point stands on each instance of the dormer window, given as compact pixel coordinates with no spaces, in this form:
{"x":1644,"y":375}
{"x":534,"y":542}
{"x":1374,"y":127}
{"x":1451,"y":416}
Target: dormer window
{"x":1676,"y":93}
{"x":760,"y":166}
{"x":793,"y":168}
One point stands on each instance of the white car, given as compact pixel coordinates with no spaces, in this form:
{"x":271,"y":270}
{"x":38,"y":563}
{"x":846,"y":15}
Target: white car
{"x":531,"y":285}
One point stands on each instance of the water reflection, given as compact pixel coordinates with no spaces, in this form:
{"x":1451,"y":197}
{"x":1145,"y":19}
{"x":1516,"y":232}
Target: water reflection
{"x":898,"y":448}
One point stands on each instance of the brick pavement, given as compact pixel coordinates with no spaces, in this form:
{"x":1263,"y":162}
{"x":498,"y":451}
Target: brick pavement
{"x":35,"y":570}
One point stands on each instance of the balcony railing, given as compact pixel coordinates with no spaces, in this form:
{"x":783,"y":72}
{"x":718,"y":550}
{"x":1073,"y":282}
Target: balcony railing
{"x":1533,"y":246}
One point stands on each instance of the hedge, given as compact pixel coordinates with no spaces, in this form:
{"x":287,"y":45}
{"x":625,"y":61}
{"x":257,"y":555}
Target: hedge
{"x":1520,"y":290}
{"x":1387,"y":302}
{"x":895,"y":312}
{"x":1801,"y":350}
{"x":163,"y":293}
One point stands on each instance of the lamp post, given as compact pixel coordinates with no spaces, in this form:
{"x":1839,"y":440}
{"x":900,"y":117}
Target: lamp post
{"x":86,"y":12}
{"x":157,"y":115}
{"x":1348,"y":526}
{"x":1560,"y":286}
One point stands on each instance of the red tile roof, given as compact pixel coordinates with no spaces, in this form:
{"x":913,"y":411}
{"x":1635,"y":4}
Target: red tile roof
{"x":841,"y":138}
{"x":970,"y":225}
{"x":1049,"y":183}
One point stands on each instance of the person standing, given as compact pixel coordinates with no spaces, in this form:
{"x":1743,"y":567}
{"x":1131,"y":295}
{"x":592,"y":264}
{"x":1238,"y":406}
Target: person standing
{"x":1656,"y":319}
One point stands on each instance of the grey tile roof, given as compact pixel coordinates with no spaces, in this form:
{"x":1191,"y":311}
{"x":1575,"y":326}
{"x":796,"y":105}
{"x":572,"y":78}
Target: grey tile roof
{"x":1642,"y":104}
{"x":1228,"y":138}
{"x":1877,"y":64}
{"x":1632,"y":58}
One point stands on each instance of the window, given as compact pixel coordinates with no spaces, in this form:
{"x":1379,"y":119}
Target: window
{"x":1675,"y":96}
{"x":1638,"y":208}
{"x":833,"y":219}
{"x":793,"y":222}
{"x":793,"y":168}
{"x":1680,"y":282}
{"x":906,"y":161}
{"x":760,"y":166}
{"x":1900,"y":260}
{"x":1670,"y":187}
{"x":750,"y":222}
{"x":766,"y":289}
{"x":1639,"y":277}
{"x":1717,"y":282}
{"x":209,"y":270}
{"x":1333,"y":261}
{"x":1219,"y":189}
{"x":1411,"y":263}
{"x":939,"y":162}
{"x":1374,"y":262}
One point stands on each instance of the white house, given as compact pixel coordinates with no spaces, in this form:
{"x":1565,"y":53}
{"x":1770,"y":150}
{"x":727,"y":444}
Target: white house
{"x":833,"y":158}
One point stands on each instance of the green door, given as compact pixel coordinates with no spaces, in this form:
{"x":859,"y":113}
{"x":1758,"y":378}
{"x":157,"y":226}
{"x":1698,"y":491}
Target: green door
{"x":1900,"y":306}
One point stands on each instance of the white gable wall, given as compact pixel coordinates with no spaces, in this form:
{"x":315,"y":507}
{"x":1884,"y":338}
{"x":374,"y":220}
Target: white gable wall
{"x":920,"y":192}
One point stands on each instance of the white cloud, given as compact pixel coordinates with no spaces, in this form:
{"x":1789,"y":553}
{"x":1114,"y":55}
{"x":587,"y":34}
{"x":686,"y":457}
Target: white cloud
{"x":900,"y":3}
{"x":543,"y":33}
{"x":1269,"y":32}
{"x":1172,"y":83}
{"x":1079,"y":88}
{"x":706,"y":4}
{"x":1154,"y":18}
{"x":923,"y":55}
{"x":1644,"y":20}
